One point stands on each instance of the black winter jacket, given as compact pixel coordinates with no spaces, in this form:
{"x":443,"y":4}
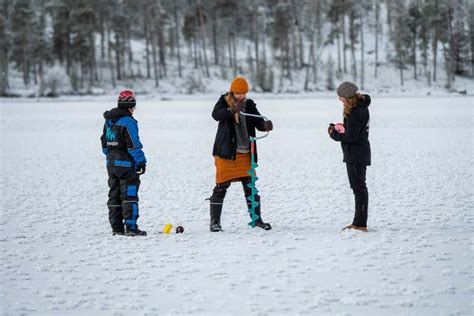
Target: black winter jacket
{"x":120,"y":141}
{"x":355,"y":141}
{"x":225,"y":144}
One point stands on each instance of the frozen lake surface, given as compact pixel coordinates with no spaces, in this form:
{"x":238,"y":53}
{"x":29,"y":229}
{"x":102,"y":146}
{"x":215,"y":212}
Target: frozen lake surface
{"x":58,"y":256}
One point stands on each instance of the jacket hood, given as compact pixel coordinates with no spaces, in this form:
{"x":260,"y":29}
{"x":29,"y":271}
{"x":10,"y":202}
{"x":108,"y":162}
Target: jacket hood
{"x":116,"y":113}
{"x":365,"y":102}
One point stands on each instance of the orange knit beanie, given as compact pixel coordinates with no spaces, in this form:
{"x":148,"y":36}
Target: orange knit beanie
{"x":239,"y":85}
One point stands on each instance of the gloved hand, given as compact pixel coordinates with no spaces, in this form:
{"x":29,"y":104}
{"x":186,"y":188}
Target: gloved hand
{"x":141,"y":168}
{"x":238,"y":107}
{"x":331,"y":128}
{"x":268,"y":125}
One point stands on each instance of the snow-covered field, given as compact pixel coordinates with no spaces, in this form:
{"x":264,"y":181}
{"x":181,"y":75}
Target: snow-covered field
{"x":58,"y":256}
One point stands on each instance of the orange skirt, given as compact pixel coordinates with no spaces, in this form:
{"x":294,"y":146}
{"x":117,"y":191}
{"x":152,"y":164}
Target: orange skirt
{"x":228,"y":170}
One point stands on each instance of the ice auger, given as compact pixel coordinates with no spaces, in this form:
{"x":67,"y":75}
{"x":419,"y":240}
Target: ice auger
{"x":252,"y":173}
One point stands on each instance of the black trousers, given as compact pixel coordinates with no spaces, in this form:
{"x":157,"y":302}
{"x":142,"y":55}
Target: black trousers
{"x":220,"y":191}
{"x":356,"y":173}
{"x":123,"y":197}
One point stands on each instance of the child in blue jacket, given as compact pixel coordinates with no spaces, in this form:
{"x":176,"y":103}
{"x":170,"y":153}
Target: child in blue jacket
{"x":125,"y":163}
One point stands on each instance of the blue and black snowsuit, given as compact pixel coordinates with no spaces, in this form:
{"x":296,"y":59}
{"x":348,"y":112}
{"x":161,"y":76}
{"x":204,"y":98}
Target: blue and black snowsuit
{"x":121,"y":144}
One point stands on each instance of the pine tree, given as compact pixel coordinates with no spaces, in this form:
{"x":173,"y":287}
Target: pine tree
{"x":354,"y":29}
{"x":460,"y":39}
{"x":446,"y":38}
{"x":281,"y":40}
{"x":471,"y":35}
{"x":4,"y":51}
{"x":377,"y":36}
{"x":335,"y":14}
{"x":413,"y":20}
{"x":83,"y":40}
{"x":401,"y":38}
{"x":22,"y":17}
{"x":425,"y":38}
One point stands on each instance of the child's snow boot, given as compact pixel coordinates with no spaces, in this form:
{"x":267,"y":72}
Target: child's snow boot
{"x":118,"y":229}
{"x":118,"y":232}
{"x":134,"y":232}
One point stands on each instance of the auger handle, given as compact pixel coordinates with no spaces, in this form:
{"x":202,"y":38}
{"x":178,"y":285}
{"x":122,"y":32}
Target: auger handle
{"x":260,"y":116}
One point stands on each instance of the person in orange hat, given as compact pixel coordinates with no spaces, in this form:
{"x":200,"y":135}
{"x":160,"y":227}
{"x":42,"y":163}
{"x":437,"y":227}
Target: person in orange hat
{"x":232,"y":147}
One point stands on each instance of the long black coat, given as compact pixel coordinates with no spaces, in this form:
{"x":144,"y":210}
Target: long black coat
{"x":355,"y":141}
{"x":225,"y":144}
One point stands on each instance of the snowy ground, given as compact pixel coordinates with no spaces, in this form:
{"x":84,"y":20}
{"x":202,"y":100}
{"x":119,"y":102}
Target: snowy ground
{"x":58,"y":256}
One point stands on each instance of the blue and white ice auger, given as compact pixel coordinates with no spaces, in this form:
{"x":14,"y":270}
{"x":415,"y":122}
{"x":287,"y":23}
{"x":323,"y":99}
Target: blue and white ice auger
{"x":252,"y":173}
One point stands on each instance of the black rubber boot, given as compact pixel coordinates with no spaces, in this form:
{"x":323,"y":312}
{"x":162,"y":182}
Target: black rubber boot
{"x":263,"y":225}
{"x":216,"y":211}
{"x":216,"y":202}
{"x":259,"y":222}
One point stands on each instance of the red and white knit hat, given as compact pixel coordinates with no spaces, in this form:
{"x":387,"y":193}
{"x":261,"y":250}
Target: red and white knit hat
{"x":126,"y":99}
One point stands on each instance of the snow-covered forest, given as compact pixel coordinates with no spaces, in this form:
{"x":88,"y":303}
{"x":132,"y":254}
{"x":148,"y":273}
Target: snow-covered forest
{"x":57,"y":47}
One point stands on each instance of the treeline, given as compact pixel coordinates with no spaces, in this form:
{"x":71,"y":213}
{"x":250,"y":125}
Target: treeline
{"x":272,"y":41}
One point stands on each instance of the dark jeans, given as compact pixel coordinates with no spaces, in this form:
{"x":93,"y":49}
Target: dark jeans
{"x":356,"y":173}
{"x":123,"y":197}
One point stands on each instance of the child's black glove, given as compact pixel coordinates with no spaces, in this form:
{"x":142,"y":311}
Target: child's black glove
{"x":141,"y":168}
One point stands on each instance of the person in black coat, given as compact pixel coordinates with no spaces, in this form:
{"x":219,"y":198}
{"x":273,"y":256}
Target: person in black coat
{"x":353,"y":135}
{"x":231,"y":148}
